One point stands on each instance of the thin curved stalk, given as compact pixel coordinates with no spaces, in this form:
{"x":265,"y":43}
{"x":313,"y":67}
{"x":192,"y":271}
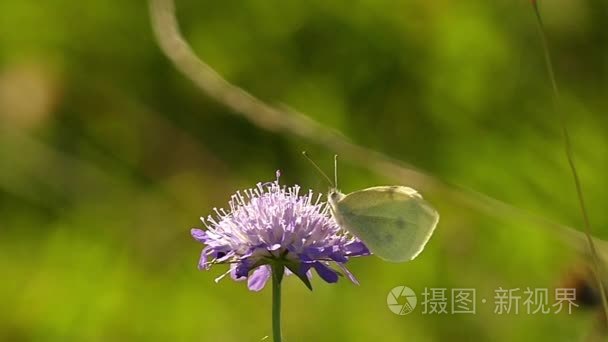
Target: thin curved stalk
{"x":595,"y":260}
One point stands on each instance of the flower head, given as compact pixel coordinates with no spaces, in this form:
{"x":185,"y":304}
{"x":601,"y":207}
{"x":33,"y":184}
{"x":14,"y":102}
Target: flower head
{"x":275,"y":225}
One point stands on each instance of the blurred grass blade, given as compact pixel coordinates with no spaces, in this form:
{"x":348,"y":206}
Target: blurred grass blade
{"x":569,"y":154}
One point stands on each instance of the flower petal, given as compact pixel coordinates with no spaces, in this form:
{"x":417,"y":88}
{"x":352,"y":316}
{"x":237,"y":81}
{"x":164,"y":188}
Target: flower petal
{"x":198,"y":235}
{"x":314,"y":252}
{"x":338,"y":257}
{"x":233,"y":275}
{"x":242,"y":269}
{"x":223,"y":256}
{"x":325,"y":272}
{"x":258,"y":278}
{"x":202,"y":262}
{"x":356,"y":248}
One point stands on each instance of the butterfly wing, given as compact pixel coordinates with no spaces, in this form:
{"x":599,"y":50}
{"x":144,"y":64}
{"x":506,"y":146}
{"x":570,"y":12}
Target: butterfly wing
{"x":394,"y":222}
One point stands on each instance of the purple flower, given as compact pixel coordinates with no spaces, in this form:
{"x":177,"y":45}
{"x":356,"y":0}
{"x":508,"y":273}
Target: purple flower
{"x":275,"y":225}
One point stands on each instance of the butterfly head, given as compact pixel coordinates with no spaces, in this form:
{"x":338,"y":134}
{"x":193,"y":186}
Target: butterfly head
{"x":333,"y":197}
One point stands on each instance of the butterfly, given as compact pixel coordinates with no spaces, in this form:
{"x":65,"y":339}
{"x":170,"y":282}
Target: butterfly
{"x":394,"y":222}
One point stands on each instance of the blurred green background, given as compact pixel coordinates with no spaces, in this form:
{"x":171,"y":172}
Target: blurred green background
{"x":108,"y":156}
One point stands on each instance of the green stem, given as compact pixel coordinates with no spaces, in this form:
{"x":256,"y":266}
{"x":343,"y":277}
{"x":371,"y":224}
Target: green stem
{"x":277,"y":276}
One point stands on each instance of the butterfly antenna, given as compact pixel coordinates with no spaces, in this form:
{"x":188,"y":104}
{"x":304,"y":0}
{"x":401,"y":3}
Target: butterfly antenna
{"x":336,"y":170}
{"x":318,"y":169}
